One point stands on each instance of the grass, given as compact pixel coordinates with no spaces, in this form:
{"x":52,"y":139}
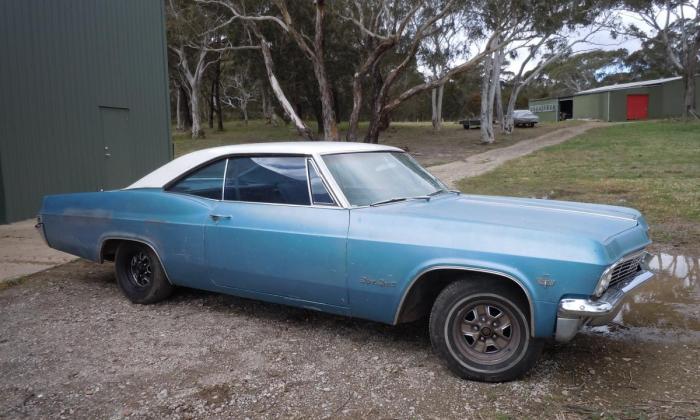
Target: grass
{"x":651,"y":166}
{"x":431,"y":148}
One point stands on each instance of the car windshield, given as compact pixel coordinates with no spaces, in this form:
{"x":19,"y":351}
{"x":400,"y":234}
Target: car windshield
{"x":376,"y":177}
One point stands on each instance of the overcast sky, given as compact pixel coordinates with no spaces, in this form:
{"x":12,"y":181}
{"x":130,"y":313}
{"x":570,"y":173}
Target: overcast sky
{"x":601,"y":40}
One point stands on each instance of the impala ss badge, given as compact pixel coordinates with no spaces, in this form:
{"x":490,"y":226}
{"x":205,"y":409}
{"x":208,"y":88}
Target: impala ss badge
{"x":545,"y":281}
{"x":380,"y":283}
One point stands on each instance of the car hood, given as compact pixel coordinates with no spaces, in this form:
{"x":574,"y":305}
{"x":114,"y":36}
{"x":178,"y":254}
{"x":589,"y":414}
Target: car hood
{"x":592,"y":221}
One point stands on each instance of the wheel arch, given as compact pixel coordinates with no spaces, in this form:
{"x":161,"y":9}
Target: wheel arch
{"x":429,"y":282}
{"x":109,"y":245}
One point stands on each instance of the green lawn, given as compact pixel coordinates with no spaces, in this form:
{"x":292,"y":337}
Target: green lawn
{"x":430,"y":148}
{"x":651,"y":166}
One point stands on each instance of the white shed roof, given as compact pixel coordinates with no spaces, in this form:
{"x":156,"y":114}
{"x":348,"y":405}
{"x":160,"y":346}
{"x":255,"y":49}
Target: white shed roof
{"x":166,"y":173}
{"x":628,"y":85}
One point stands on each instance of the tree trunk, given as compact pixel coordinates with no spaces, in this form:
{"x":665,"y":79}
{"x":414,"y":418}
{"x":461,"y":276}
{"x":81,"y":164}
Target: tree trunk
{"x":217,"y":96}
{"x":320,"y":121}
{"x":496,"y":80}
{"x":689,"y":110}
{"x":486,"y":116}
{"x":356,"y":105}
{"x":375,"y":127}
{"x":508,"y":123}
{"x":377,"y":102}
{"x":197,"y":131}
{"x":303,"y":130}
{"x":244,"y":111}
{"x":436,"y":100}
{"x":267,"y":114}
{"x":178,"y":110}
{"x":330,"y":126}
{"x":211,"y":104}
{"x":499,"y":105}
{"x":185,"y":110}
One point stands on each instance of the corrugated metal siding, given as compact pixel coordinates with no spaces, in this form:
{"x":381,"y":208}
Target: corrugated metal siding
{"x":545,"y":115}
{"x":61,"y":62}
{"x":665,"y":101}
{"x":594,"y":106}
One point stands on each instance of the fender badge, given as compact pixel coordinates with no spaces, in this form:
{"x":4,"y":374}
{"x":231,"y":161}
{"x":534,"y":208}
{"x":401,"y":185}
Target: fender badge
{"x":380,"y":283}
{"x":545,"y":281}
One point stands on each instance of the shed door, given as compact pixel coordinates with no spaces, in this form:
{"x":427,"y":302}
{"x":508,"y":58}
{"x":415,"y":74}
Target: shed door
{"x":116,"y":148}
{"x":637,"y":107}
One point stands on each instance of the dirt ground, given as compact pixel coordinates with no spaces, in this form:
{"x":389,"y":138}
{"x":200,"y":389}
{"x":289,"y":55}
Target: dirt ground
{"x":72,"y":347}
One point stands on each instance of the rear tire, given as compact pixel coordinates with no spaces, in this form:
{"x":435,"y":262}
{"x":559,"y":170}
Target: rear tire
{"x":139,"y":274}
{"x":479,"y":329}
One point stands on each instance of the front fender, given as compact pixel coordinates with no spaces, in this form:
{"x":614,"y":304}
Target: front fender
{"x":508,"y":273}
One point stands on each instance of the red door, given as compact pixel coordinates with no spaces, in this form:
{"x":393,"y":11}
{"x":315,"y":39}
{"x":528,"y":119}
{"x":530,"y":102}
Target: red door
{"x":637,"y":107}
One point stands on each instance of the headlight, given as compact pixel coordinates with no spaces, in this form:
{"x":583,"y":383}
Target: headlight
{"x":604,"y":281}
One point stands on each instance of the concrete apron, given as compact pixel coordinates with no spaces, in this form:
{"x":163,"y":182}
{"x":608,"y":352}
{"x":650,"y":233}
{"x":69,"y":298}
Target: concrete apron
{"x":23,"y":251}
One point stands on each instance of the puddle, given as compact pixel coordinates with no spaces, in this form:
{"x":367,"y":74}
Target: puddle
{"x":668,"y":306}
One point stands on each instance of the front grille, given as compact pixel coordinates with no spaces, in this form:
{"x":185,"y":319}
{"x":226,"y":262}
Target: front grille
{"x":625,"y":270}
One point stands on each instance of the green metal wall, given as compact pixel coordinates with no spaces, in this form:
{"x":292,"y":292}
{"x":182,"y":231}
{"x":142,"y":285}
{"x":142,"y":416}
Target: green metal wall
{"x":594,"y":106}
{"x":665,"y":101}
{"x":536,"y":105}
{"x":62,"y":63}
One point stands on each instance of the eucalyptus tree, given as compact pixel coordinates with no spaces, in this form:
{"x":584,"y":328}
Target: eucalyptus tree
{"x":675,"y":26}
{"x":581,"y":71}
{"x":548,"y":29}
{"x":391,"y":35}
{"x":240,"y":87}
{"x":552,"y":41}
{"x":281,"y":17}
{"x":437,"y":53}
{"x":195,"y":47}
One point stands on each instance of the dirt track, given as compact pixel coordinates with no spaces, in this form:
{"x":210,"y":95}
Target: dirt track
{"x":72,"y":346}
{"x":480,"y":163}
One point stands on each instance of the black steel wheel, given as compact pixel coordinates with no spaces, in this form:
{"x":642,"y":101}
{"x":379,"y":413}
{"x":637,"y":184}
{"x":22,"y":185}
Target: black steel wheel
{"x":480,"y":329}
{"x":140,"y":275}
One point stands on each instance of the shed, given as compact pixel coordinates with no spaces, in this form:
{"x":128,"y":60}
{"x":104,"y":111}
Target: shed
{"x":84,"y":98}
{"x":552,"y":109}
{"x":649,"y":99}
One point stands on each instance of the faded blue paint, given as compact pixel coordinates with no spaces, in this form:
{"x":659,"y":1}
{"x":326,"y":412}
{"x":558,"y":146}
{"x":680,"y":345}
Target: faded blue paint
{"x":332,"y":259}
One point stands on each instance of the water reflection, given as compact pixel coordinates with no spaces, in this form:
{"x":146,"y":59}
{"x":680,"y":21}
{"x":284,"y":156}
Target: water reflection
{"x":669,"y":303}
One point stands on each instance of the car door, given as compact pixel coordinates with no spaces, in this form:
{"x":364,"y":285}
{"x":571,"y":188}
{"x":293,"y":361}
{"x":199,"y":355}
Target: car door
{"x":276,"y":233}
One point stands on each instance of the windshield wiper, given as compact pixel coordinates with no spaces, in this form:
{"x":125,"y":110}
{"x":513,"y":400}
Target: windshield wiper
{"x":443,"y":190}
{"x":397,"y":199}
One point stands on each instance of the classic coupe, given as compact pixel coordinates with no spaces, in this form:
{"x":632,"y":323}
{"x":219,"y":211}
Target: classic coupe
{"x":364,"y":231}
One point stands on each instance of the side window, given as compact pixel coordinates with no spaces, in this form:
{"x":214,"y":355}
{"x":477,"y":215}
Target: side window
{"x":280,"y":180}
{"x":205,"y":182}
{"x":319,"y":193}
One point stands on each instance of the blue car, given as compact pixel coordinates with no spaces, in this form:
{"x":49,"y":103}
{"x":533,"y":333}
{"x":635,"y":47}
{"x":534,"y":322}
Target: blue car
{"x":364,"y":231}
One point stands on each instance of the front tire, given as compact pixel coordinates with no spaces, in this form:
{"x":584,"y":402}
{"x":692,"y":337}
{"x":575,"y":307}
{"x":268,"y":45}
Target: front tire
{"x":139,"y":274}
{"x":480,"y":330}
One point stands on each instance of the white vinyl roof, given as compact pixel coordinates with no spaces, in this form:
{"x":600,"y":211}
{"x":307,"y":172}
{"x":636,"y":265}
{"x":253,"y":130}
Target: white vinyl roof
{"x":166,"y":173}
{"x":628,"y":85}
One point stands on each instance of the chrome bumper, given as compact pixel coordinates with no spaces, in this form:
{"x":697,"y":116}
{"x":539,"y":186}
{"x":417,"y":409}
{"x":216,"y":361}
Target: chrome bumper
{"x":574,"y":313}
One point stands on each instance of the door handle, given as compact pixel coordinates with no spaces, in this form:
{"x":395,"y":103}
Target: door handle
{"x":217,"y":217}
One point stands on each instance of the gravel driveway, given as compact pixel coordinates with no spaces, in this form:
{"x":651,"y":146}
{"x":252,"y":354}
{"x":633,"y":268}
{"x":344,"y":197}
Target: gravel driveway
{"x":72,"y":346}
{"x":480,"y":163}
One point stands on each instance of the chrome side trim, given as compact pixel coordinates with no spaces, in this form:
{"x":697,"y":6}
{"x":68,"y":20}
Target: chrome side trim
{"x":141,"y":241}
{"x":469,"y":269}
{"x":325,"y":184}
{"x":333,"y":186}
